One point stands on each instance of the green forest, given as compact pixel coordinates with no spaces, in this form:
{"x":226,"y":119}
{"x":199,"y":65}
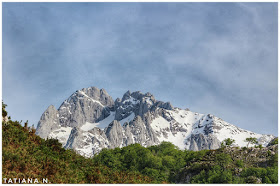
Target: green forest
{"x":26,"y":155}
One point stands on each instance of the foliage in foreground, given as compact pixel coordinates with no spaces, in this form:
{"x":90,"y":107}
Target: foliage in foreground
{"x":26,"y":155}
{"x":166,"y":163}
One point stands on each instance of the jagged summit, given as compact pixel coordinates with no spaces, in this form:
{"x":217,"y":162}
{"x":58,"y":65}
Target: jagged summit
{"x":90,"y":120}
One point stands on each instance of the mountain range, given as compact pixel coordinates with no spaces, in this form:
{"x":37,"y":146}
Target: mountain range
{"x":90,"y":120}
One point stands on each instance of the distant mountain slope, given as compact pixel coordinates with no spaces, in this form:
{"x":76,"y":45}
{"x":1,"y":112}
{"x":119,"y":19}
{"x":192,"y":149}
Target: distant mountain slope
{"x":89,"y":120}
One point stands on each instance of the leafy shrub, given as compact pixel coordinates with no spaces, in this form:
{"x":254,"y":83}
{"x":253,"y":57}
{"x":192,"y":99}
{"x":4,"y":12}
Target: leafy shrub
{"x":274,"y":141}
{"x":239,"y":163}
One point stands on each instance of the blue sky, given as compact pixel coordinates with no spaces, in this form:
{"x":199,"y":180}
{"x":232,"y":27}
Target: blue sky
{"x":218,"y":58}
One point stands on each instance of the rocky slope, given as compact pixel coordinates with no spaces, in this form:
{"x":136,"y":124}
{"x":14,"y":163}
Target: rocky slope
{"x":248,"y":164}
{"x":89,"y":120}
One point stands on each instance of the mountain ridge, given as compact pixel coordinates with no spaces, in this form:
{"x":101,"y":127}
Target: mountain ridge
{"x":90,"y":120}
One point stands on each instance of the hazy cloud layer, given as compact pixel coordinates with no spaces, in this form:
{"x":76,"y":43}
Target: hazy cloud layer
{"x":218,"y":58}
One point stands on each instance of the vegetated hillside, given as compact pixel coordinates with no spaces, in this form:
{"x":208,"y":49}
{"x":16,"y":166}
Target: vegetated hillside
{"x":26,"y":155}
{"x":233,"y":165}
{"x":167,"y":163}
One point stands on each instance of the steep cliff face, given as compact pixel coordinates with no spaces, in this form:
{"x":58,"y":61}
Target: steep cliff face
{"x":86,"y":105}
{"x":49,"y":122}
{"x":89,"y":120}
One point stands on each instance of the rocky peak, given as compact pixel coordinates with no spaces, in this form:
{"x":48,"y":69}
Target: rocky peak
{"x":137,"y":95}
{"x":126,"y":96}
{"x":97,"y":94}
{"x":85,"y":105}
{"x":48,"y":122}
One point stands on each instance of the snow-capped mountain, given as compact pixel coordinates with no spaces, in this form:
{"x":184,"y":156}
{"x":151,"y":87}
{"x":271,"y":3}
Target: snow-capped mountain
{"x":89,"y":120}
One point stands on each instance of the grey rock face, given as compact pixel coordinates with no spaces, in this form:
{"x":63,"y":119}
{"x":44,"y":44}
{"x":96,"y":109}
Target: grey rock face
{"x":71,"y":140}
{"x":163,"y":105}
{"x":48,"y":122}
{"x":99,"y":95}
{"x":136,"y":118}
{"x":114,"y":133}
{"x":201,"y":141}
{"x":138,"y":130}
{"x":151,"y":136}
{"x":99,"y":139}
{"x":193,"y":144}
{"x":86,"y":105}
{"x":87,"y":143}
{"x":137,"y":103}
{"x":128,"y":138}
